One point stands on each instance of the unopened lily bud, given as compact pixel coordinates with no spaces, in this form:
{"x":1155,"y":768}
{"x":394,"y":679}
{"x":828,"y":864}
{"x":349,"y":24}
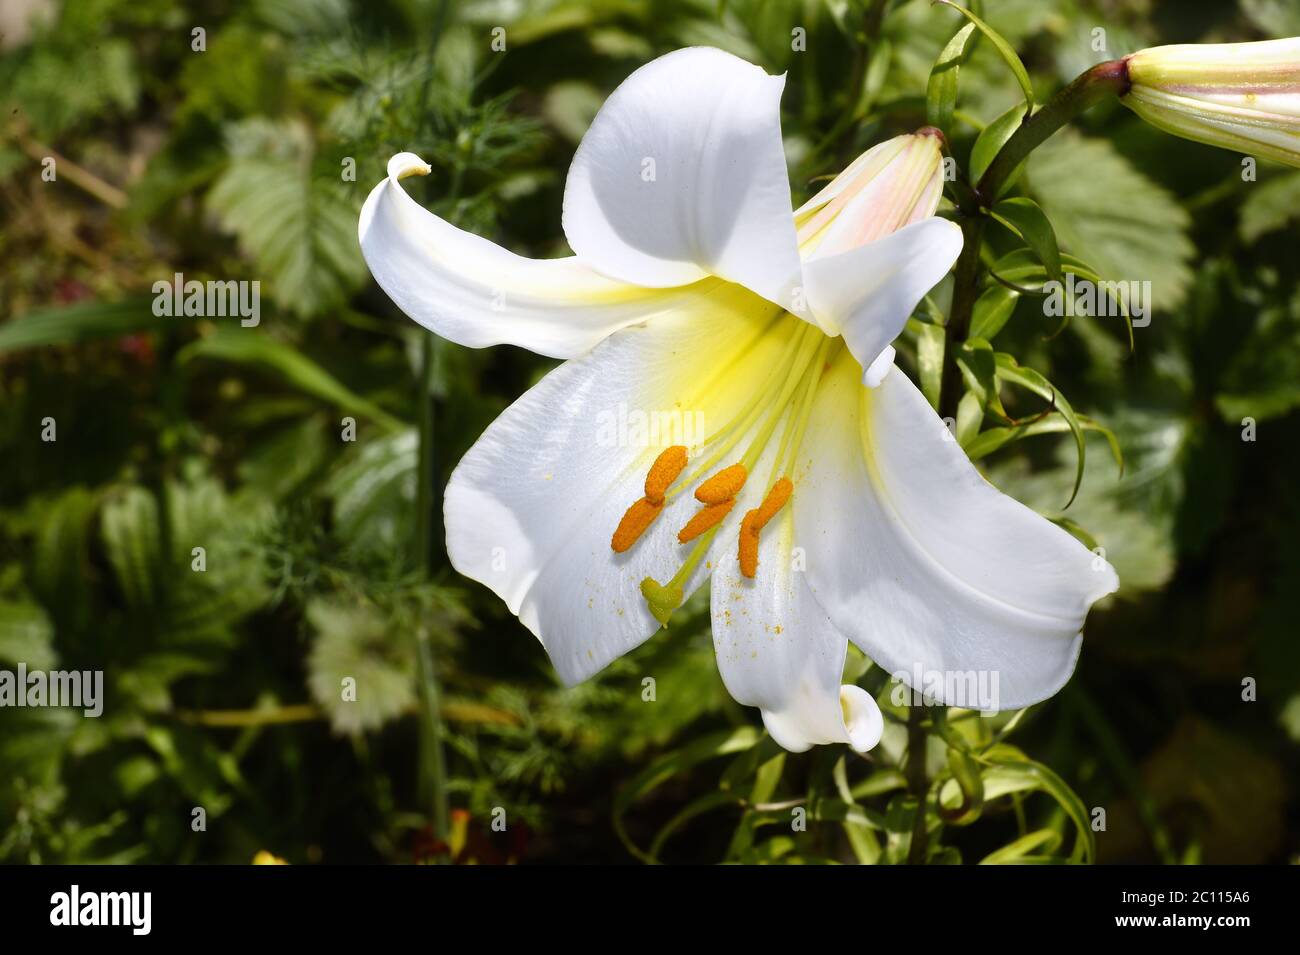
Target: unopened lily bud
{"x":891,"y":185}
{"x":1242,"y":96}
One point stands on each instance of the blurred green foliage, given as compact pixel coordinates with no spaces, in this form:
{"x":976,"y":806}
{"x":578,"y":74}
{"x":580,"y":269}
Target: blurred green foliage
{"x":249,"y":159}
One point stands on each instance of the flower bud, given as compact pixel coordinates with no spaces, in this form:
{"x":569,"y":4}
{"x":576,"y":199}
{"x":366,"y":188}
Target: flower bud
{"x":891,"y":185}
{"x":1242,"y":96}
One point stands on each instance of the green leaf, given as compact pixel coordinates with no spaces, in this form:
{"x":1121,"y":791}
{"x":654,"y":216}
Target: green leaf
{"x":204,"y":605}
{"x":570,"y":106}
{"x":1109,"y":214}
{"x":300,"y":231}
{"x":356,"y":642}
{"x":970,"y":415}
{"x":1005,"y":50}
{"x":1024,"y":217}
{"x":1273,"y":17}
{"x":77,"y":73}
{"x":1019,"y":850}
{"x":1262,"y":380}
{"x":1011,"y":370}
{"x":696,"y":807}
{"x":245,"y":346}
{"x":965,"y":773}
{"x":766,"y":763}
{"x":993,"y":309}
{"x":1009,"y":771}
{"x":992,"y":439}
{"x":836,"y":810}
{"x":84,"y":321}
{"x":61,"y":563}
{"x":880,"y":781}
{"x":941,"y":92}
{"x":133,"y":541}
{"x":862,"y":840}
{"x":1076,"y":531}
{"x":990,"y":143}
{"x":374,"y":494}
{"x":26,"y":635}
{"x":978,"y":366}
{"x":657,"y":773}
{"x":1135,"y":536}
{"x":1270,"y":205}
{"x":929,"y":361}
{"x":1023,"y":269}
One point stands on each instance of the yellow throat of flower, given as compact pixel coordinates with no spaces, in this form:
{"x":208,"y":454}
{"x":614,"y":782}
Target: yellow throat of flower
{"x":783,"y":401}
{"x":887,"y":188}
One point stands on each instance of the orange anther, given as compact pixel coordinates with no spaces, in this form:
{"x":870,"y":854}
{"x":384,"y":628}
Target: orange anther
{"x":776,"y":497}
{"x":748,"y":552}
{"x":756,"y":519}
{"x":664,"y":472}
{"x":705,"y":518}
{"x":634,"y":523}
{"x":723,"y":486}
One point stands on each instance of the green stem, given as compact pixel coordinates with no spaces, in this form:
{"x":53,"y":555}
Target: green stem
{"x":1088,"y":89}
{"x":916,"y":781}
{"x":432,"y":778}
{"x":424,"y":512}
{"x":965,"y":290}
{"x":433,"y":775}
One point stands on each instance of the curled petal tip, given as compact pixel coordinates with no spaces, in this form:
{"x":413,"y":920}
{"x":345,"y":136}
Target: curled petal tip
{"x":863,"y":721}
{"x":878,"y":369}
{"x":407,"y":164}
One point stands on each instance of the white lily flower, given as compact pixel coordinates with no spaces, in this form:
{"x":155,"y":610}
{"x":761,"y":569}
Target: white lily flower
{"x":825,"y":499}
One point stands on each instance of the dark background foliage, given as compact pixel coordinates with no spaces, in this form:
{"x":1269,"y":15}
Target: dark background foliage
{"x":222,"y":686}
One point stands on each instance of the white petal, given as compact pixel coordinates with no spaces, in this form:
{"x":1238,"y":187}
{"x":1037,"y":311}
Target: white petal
{"x":531,"y":508}
{"x":868,"y":293}
{"x":778,"y":650}
{"x":476,"y":293}
{"x":879,"y":368}
{"x":922,"y":562}
{"x":682,"y":174}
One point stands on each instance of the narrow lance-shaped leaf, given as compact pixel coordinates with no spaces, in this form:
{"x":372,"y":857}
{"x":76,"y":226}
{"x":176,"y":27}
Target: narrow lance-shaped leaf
{"x":659,"y":772}
{"x":81,"y":322}
{"x":1023,"y":216}
{"x":1011,"y":370}
{"x":979,"y":369}
{"x":941,"y":91}
{"x":1004,"y":49}
{"x":1022,"y":269}
{"x":929,"y":361}
{"x":292,"y":365}
{"x":970,"y":416}
{"x":1010,"y":771}
{"x":993,"y":309}
{"x":995,"y":438}
{"x":1019,"y":851}
{"x":990,"y":143}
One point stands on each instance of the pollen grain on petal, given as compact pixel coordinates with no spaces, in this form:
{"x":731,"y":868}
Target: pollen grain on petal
{"x":723,"y":486}
{"x":705,"y":519}
{"x":634,"y":523}
{"x":664,"y":472}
